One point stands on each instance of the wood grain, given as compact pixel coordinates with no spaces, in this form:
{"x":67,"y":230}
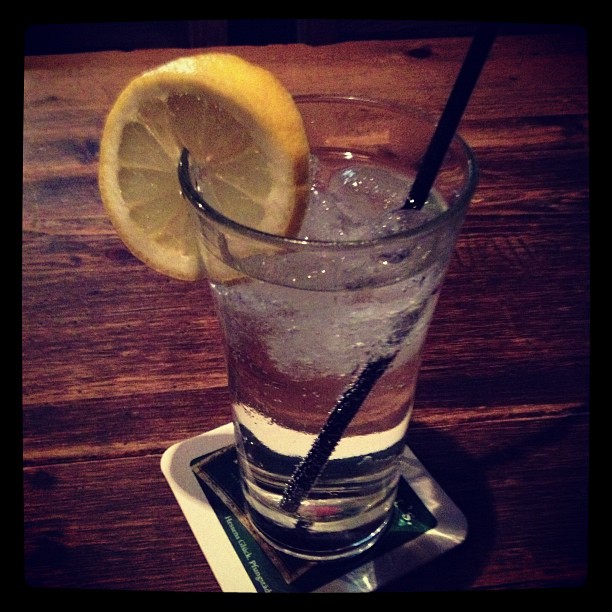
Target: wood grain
{"x":119,"y":363}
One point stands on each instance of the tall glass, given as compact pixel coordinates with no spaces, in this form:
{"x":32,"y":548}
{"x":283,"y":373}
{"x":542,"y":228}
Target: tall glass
{"x":303,"y":319}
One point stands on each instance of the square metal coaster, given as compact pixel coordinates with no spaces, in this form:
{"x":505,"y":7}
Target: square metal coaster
{"x":203,"y":475}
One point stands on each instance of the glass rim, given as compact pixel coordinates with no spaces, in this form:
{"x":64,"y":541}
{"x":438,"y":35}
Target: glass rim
{"x":205,"y":209}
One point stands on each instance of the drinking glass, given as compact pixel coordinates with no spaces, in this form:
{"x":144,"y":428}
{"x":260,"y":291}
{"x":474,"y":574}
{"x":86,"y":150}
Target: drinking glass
{"x":323,"y":331}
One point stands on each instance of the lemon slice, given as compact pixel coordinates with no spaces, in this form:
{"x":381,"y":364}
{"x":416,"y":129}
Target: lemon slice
{"x":237,"y":121}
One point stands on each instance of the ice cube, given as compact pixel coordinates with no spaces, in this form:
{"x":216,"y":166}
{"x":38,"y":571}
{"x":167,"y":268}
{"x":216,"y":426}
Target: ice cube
{"x":323,"y":220}
{"x":365,"y":192}
{"x":361,"y":202}
{"x":372,"y":200}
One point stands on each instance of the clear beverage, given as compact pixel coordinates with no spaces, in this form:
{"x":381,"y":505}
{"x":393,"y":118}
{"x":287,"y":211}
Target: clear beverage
{"x":304,"y":320}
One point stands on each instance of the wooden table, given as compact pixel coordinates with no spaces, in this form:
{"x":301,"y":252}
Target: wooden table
{"x":119,"y":362}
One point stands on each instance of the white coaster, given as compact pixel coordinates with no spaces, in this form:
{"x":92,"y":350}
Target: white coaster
{"x":426,"y":524}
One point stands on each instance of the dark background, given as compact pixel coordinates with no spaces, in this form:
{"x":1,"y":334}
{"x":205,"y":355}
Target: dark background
{"x":42,"y":38}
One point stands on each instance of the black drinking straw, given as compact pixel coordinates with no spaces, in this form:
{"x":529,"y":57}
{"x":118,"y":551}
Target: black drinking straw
{"x":310,"y":468}
{"x":451,"y":116}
